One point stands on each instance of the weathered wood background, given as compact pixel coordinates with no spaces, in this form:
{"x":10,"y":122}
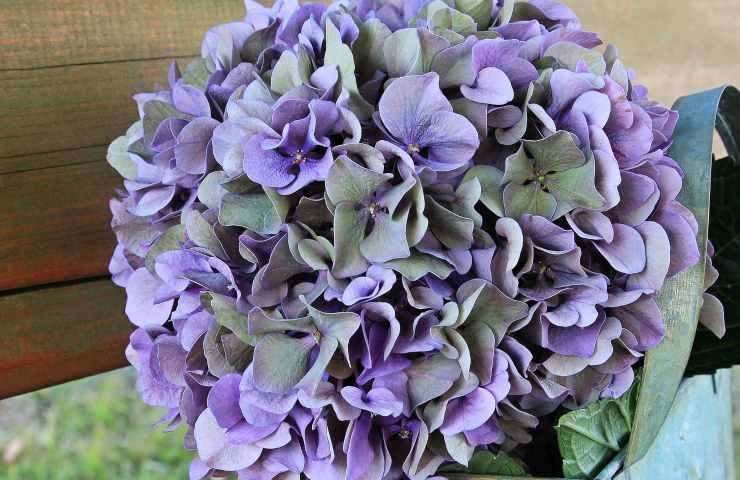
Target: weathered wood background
{"x":68,"y":69}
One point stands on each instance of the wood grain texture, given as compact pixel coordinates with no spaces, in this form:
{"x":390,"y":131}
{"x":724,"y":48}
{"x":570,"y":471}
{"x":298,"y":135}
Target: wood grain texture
{"x":60,"y":333}
{"x":66,"y":108}
{"x":42,"y":33}
{"x":55,"y":223}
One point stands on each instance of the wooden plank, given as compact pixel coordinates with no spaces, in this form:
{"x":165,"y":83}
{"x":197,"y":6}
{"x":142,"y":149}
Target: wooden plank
{"x":60,"y":333}
{"x":63,"y":108}
{"x":40,"y":33}
{"x":36,"y":161}
{"x":55,"y":224}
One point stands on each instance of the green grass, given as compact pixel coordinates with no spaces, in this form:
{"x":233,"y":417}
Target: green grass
{"x":96,"y":428}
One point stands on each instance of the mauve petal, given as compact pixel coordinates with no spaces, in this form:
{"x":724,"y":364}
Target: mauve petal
{"x":451,"y":140}
{"x":266,"y":167}
{"x":215,"y":449}
{"x":591,"y":225}
{"x":626,"y":252}
{"x":379,"y":401}
{"x":574,"y":341}
{"x":491,"y":87}
{"x":644,"y":319}
{"x":639,"y":195}
{"x":290,"y":28}
{"x":684,"y":247}
{"x":140,"y":307}
{"x":223,"y":401}
{"x":191,"y":100}
{"x":631,"y":144}
{"x":469,"y":412}
{"x":153,"y":200}
{"x":658,"y":261}
{"x":567,"y":86}
{"x":408,"y":104}
{"x":193,"y":148}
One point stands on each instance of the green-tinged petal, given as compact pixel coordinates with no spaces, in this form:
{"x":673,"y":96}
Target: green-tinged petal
{"x":210,"y":190}
{"x":521,"y":199}
{"x":349,"y":182}
{"x":492,"y":187}
{"x":556,"y":153}
{"x":575,"y":188}
{"x":431,"y":377}
{"x":410,"y":51}
{"x":492,"y":307}
{"x":119,"y":158}
{"x":340,"y":326}
{"x":387,"y":239}
{"x":155,"y":111}
{"x":570,"y":55}
{"x":273,"y":376}
{"x":288,"y":73}
{"x":420,"y":264}
{"x":253,"y":211}
{"x":202,"y":234}
{"x":349,"y":232}
{"x":454,"y":231}
{"x":262,"y":322}
{"x":171,"y":239}
{"x":369,"y":47}
{"x":224,"y":309}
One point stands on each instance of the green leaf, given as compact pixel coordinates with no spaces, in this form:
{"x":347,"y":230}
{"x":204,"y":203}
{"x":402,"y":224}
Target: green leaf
{"x":253,"y":211}
{"x":591,"y":437}
{"x":710,"y":353}
{"x":489,"y":463}
{"x":119,"y":158}
{"x":680,"y":297}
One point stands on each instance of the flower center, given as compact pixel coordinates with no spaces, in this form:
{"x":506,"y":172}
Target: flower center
{"x":316,"y":335}
{"x":404,"y":433}
{"x":299,"y":157}
{"x":373,"y":209}
{"x":413,"y":148}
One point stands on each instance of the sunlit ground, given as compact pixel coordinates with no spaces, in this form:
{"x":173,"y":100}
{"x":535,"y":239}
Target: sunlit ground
{"x":98,"y":429}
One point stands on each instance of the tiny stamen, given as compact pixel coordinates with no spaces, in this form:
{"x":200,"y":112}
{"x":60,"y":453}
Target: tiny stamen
{"x":413,"y":148}
{"x":299,"y":157}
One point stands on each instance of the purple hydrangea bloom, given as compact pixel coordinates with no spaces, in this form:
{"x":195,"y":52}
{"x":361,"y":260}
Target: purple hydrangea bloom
{"x":368,"y":239}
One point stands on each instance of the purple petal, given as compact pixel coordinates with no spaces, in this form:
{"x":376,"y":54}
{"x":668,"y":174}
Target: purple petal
{"x":492,"y":87}
{"x":626,"y":252}
{"x":140,"y":306}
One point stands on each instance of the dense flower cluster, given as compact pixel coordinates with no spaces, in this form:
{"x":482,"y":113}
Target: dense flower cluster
{"x":363,"y":240}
